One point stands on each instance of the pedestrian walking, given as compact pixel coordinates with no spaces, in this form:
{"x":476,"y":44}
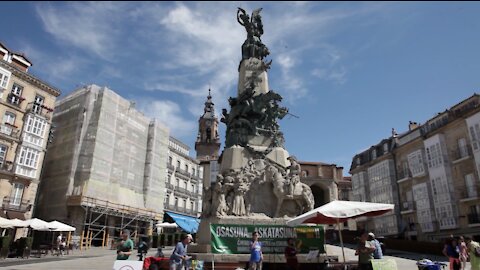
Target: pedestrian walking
{"x":256,"y":255}
{"x":377,"y":254}
{"x":125,"y":247}
{"x":452,"y":251}
{"x":473,"y":252}
{"x":179,"y":257}
{"x":365,"y":251}
{"x":463,"y":252}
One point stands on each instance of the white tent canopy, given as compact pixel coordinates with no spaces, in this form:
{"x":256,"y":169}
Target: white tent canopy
{"x":166,"y":225}
{"x":335,"y":212}
{"x":5,"y":223}
{"x":37,"y":225}
{"x":18,"y":223}
{"x":61,"y":227}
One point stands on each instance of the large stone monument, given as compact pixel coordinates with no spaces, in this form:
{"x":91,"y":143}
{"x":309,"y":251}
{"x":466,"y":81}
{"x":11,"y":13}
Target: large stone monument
{"x":258,"y":181}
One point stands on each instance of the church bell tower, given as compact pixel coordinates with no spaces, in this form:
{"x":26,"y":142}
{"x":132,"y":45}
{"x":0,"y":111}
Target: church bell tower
{"x":207,"y":145}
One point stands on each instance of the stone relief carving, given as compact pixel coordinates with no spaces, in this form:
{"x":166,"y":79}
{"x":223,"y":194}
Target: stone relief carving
{"x":232,"y":191}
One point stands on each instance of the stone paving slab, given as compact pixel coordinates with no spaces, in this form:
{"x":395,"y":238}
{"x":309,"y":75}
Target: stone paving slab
{"x":103,"y":259}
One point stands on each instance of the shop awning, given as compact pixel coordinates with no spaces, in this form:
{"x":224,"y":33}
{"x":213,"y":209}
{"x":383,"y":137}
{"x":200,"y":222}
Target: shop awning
{"x":188,"y":224}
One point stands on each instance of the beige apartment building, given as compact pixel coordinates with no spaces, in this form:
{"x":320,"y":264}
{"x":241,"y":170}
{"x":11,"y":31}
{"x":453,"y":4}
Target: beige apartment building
{"x":26,"y":107}
{"x":184,"y":185}
{"x":435,"y":168}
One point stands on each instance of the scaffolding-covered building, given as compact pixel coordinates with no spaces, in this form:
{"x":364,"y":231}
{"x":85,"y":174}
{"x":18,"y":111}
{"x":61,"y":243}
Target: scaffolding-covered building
{"x":106,"y":168}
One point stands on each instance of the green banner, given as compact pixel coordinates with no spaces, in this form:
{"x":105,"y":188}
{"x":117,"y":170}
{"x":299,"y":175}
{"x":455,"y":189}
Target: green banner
{"x":235,"y":239}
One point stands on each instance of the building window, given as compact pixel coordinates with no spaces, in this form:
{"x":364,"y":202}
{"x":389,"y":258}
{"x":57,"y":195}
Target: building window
{"x":304,"y":173}
{"x":475,"y":134}
{"x":37,"y":103}
{"x":184,"y":202}
{"x":16,"y":94}
{"x":374,"y":153}
{"x":178,"y":183}
{"x":191,"y":205}
{"x":434,"y":155}
{"x":17,"y":193}
{"x":9,"y":123}
{"x":178,"y":164}
{"x":185,"y":184}
{"x":167,"y":199}
{"x":193,"y":171}
{"x":28,"y":157}
{"x":385,"y":147}
{"x":193,"y":188}
{"x":35,"y":125}
{"x":4,"y":77}
{"x":415,"y":162}
{"x":471,"y":186}
{"x":186,"y":167}
{"x":3,"y":153}
{"x":170,"y":160}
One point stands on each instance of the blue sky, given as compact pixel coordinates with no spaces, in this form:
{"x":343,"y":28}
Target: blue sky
{"x":351,"y":71}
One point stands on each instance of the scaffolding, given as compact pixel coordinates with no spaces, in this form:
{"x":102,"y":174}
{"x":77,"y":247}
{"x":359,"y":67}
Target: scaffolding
{"x":102,"y":219}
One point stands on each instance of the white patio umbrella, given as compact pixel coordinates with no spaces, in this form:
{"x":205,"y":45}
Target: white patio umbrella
{"x":340,"y":211}
{"x":61,"y":227}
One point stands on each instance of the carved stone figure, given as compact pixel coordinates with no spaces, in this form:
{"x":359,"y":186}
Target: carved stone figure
{"x":207,"y":202}
{"x":302,"y":194}
{"x":220,"y":205}
{"x":294,"y":174}
{"x":238,"y":208}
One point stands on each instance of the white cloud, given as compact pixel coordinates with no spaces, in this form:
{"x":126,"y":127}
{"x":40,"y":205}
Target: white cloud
{"x":55,"y":67}
{"x":168,"y":113}
{"x":336,"y":75}
{"x":88,"y":26}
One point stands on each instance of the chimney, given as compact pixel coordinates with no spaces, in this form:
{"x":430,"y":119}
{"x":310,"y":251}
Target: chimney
{"x":412,"y":125}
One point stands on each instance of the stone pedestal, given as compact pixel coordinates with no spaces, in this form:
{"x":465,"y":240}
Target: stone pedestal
{"x":234,"y":158}
{"x":279,"y":156}
{"x":252,"y":70}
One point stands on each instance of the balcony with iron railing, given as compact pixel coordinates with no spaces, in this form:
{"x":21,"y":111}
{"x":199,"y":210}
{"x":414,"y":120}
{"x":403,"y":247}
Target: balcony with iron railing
{"x":403,"y":175}
{"x":473,"y":218}
{"x":10,"y":131}
{"x":170,"y":207}
{"x":169,"y":186}
{"x":10,"y":204}
{"x":469,"y":193}
{"x":39,"y":109}
{"x":182,"y":190}
{"x":407,"y":207}
{"x":461,"y":153}
{"x":14,"y":99}
{"x":183,"y":172}
{"x":6,"y":166}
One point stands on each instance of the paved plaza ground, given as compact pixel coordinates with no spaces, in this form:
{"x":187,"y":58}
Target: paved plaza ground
{"x":102,"y":259}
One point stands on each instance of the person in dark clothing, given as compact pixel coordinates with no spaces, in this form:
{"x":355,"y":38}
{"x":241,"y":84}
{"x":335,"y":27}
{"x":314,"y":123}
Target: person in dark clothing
{"x":452,"y":251}
{"x":291,"y":255}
